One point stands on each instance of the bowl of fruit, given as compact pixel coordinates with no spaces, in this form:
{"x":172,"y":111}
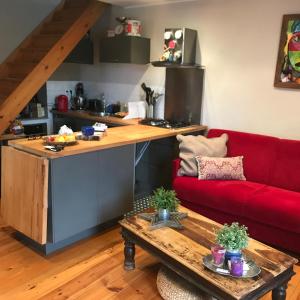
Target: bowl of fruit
{"x":64,"y":140}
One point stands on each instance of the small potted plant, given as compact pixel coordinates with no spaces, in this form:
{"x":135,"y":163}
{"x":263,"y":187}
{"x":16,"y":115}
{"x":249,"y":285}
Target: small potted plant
{"x":233,"y":238}
{"x":164,"y":201}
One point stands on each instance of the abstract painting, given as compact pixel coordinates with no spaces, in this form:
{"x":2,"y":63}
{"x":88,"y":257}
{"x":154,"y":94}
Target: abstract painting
{"x":288,"y":63}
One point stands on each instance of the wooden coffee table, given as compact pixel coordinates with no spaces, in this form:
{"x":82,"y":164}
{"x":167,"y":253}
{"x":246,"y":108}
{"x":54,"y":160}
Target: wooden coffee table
{"x":183,"y":251}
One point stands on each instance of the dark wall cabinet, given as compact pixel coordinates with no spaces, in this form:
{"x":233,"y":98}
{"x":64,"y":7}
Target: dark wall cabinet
{"x":83,"y":53}
{"x":125,"y":49}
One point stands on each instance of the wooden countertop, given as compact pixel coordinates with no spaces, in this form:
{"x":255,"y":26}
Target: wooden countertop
{"x":87,"y":116}
{"x":9,"y":136}
{"x":117,"y":136}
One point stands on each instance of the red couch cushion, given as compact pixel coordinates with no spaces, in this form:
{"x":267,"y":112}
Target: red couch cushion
{"x":259,"y":152}
{"x":229,"y":196}
{"x":276,"y":207}
{"x":286,"y":173}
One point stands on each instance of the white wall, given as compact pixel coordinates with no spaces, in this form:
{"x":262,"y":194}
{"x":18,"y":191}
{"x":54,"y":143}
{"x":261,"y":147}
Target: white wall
{"x":238,"y":44}
{"x":18,"y":18}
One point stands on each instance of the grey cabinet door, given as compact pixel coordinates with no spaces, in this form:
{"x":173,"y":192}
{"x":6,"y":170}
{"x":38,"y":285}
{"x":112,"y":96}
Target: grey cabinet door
{"x":83,"y":53}
{"x":74,"y":203}
{"x":125,"y":49}
{"x":89,"y":189}
{"x":116,"y":184}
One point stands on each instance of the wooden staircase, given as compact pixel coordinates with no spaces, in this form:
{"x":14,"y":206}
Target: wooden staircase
{"x":25,"y":70}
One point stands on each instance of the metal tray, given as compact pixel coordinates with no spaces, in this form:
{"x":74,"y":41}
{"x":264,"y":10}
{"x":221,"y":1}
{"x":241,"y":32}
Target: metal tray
{"x":253,"y":271}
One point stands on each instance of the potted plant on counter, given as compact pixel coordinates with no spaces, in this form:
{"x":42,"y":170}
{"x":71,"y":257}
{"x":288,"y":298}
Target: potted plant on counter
{"x":165,"y":202}
{"x":233,"y":238}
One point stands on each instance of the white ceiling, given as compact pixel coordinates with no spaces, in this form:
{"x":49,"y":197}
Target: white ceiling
{"x":136,"y":3}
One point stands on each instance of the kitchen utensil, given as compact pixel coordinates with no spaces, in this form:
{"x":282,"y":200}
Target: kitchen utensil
{"x":79,"y":90}
{"x":96,"y":105}
{"x":62,"y":103}
{"x":78,"y":103}
{"x":148,"y":91}
{"x":79,"y":100}
{"x":54,"y":148}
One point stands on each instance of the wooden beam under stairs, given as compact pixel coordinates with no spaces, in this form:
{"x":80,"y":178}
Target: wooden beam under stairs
{"x":24,"y":72}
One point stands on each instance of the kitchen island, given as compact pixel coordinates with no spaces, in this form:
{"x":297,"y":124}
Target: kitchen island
{"x":56,"y":198}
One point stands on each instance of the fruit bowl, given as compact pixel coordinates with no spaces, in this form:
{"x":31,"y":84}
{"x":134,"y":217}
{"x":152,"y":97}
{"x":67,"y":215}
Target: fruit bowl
{"x":60,"y":140}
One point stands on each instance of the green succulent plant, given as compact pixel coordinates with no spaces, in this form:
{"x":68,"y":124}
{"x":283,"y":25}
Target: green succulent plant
{"x":164,"y":199}
{"x":233,"y":237}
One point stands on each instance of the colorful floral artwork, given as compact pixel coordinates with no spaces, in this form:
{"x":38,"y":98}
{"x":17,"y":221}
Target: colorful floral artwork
{"x":288,"y":63}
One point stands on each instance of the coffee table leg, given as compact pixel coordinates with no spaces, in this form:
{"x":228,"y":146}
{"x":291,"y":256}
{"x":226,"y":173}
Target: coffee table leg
{"x":129,"y":252}
{"x":279,"y":293}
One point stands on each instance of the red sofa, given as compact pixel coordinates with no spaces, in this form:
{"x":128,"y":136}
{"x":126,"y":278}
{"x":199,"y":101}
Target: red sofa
{"x":268,"y":202}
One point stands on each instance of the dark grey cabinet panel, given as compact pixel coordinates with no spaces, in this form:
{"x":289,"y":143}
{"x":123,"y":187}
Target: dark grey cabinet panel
{"x":155,"y":168}
{"x":116,"y":186}
{"x":89,"y":189}
{"x":83,"y":53}
{"x":125,"y":49}
{"x":75,"y":206}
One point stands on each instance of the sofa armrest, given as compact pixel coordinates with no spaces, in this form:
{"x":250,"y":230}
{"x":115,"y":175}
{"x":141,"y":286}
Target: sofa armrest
{"x":175,"y":167}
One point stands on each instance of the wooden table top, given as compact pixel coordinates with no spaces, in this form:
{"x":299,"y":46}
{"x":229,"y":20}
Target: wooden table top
{"x":190,"y":245}
{"x":115,"y":137}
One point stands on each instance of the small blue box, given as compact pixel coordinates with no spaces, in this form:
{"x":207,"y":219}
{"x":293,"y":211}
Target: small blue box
{"x":87,"y":130}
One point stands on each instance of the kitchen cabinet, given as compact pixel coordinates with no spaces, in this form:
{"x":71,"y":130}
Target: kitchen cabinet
{"x":83,"y":53}
{"x":85,"y":191}
{"x":53,"y":202}
{"x":125,"y":49}
{"x":54,"y":199}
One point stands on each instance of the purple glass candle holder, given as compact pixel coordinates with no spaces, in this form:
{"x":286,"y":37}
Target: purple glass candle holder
{"x":237,"y":266}
{"x":218,"y":254}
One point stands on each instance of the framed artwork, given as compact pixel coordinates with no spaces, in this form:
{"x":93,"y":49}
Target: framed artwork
{"x":288,"y":62}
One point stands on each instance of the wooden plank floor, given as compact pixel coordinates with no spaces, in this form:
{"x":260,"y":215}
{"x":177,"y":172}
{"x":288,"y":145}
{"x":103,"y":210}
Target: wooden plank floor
{"x":92,"y":269}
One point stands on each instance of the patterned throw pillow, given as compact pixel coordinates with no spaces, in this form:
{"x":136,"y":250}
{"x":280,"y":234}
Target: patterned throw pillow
{"x":227,"y":168}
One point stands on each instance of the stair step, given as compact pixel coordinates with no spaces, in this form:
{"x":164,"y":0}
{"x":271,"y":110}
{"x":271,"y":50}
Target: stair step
{"x":67,"y":14}
{"x":6,"y":86}
{"x":3,"y":97}
{"x":58,"y":27}
{"x":20,"y":69}
{"x":11,"y":80}
{"x":75,"y":3}
{"x":31,"y":55}
{"x":45,"y":40}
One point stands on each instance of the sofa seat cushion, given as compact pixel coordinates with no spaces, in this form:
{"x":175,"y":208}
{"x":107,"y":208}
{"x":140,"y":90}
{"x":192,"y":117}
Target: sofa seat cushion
{"x":276,"y":207}
{"x":228,"y":196}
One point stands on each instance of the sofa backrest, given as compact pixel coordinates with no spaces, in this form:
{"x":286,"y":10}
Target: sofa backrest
{"x":286,"y":171}
{"x":259,"y":152}
{"x":267,"y":159}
